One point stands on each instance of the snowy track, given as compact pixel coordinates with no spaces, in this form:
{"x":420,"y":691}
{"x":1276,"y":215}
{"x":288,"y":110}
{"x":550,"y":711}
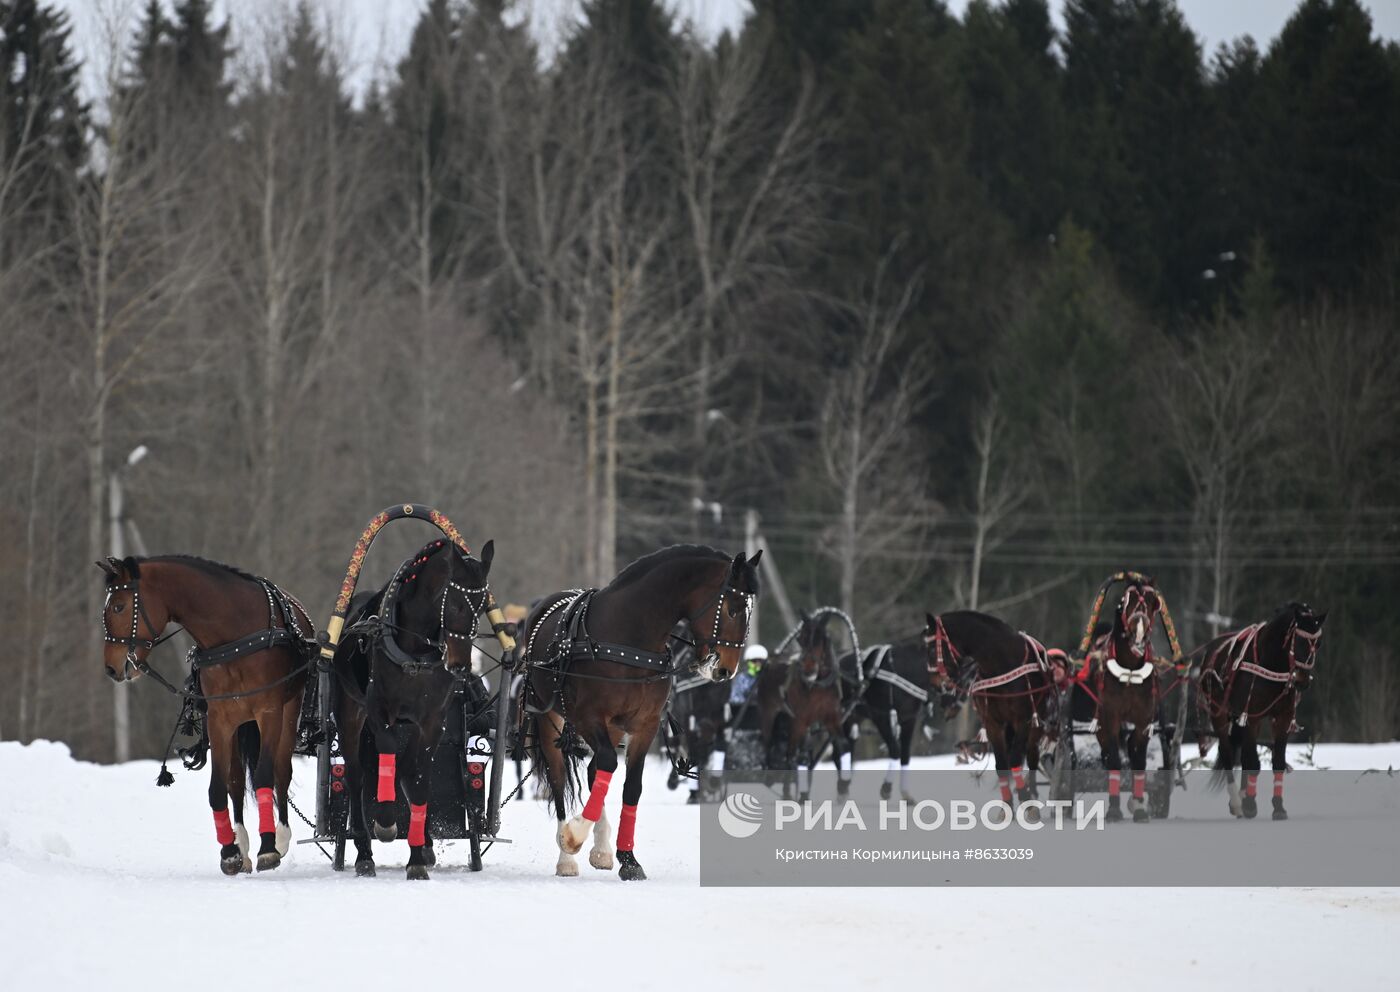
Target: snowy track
{"x":109,"y":882}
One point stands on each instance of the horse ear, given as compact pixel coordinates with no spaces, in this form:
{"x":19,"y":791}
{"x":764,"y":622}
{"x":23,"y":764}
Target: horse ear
{"x":804,"y":615}
{"x":488,"y":552}
{"x":932,"y":622}
{"x":106,"y":566}
{"x":753,"y":562}
{"x":737,"y":563}
{"x":1320,"y":618}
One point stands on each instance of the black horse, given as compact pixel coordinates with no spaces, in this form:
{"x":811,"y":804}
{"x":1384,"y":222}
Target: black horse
{"x":697,"y":708}
{"x":896,"y":681}
{"x":599,"y":669}
{"x":1254,"y":674}
{"x":396,"y":664}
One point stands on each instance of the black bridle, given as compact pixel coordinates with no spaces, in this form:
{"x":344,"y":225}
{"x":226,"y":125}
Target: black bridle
{"x":133,"y":642}
{"x":381,"y":627}
{"x":717,"y":603}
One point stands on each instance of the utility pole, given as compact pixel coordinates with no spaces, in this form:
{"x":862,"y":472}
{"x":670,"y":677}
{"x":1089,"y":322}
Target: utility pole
{"x":121,"y":698}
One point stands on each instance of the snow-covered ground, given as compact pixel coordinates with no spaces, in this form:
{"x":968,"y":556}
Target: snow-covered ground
{"x":108,"y":882}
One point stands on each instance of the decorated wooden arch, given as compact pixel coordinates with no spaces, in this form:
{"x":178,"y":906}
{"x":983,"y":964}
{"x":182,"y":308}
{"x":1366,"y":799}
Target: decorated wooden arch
{"x":1127,"y":577}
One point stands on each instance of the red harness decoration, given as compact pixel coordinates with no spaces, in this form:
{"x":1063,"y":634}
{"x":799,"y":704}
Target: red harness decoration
{"x":1240,"y":653}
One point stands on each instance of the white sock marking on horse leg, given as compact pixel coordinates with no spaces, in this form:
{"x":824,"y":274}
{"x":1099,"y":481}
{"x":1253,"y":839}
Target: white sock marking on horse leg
{"x":240,"y":837}
{"x":904,"y":783}
{"x":602,"y":854}
{"x":804,"y":778}
{"x":572,"y":833}
{"x":890,"y":769}
{"x":716,"y":762}
{"x":566,"y":865}
{"x":844,"y":765}
{"x":1235,"y":806}
{"x":284,"y":839}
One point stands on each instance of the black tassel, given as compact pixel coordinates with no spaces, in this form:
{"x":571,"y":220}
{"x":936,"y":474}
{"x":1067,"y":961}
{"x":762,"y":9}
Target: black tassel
{"x":165,"y":779}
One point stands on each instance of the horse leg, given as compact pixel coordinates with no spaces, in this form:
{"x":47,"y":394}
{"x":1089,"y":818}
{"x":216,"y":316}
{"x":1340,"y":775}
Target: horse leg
{"x":592,"y":816}
{"x":357,"y":755}
{"x":629,"y":870}
{"x":1137,"y":761}
{"x":907,"y":729}
{"x":601,"y":854}
{"x":282,"y":770}
{"x":1229,"y":748}
{"x":548,"y":727}
{"x":1033,"y":737}
{"x":264,"y":779}
{"x":416,"y":780}
{"x":1001,"y":756}
{"x":222,"y":745}
{"x":1113,"y":761}
{"x":236,"y":782}
{"x":895,"y":752}
{"x":386,"y":790}
{"x":1249,"y":771}
{"x":1279,"y":759}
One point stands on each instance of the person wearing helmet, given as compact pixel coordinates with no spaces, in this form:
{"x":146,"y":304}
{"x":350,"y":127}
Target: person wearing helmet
{"x":747,"y":675}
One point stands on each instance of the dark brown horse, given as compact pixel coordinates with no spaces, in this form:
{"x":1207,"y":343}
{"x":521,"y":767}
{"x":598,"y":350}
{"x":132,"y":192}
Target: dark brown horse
{"x":396,"y":665}
{"x":1255,"y":674}
{"x":600,"y":668}
{"x":1128,"y":689}
{"x":802,"y":695}
{"x":253,"y":643}
{"x":1008,"y":678}
{"x":896,"y":681}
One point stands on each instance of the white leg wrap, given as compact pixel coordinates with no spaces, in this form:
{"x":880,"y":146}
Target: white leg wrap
{"x":844,"y":764}
{"x":284,"y":839}
{"x":716,"y":762}
{"x":889,"y":769}
{"x":804,"y":778}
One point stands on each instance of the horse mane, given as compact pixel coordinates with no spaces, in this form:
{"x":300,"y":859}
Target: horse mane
{"x":206,"y":565}
{"x":645,"y":564}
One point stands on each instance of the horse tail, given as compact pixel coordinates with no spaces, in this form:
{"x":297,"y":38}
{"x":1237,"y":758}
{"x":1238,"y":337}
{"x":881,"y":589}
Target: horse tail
{"x":249,"y":743}
{"x":570,"y":752}
{"x":1221,"y":776}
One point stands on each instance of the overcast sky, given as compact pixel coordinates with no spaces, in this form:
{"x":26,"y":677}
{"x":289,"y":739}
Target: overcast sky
{"x":376,"y":32}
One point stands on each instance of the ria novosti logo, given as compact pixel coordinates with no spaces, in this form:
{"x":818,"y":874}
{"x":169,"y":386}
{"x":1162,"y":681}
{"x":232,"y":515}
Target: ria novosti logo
{"x":740,"y":815}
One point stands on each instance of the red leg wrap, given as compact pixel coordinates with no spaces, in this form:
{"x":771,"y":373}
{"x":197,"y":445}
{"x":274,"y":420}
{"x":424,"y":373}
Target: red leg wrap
{"x":626,"y":827}
{"x":267,"y":823}
{"x":223,"y":829}
{"x":1139,"y":784}
{"x":1251,"y":784}
{"x":417,"y":822}
{"x":386,"y":778}
{"x":593,"y":809}
{"x":1278,"y":785}
{"x":1005,"y":784}
{"x":1020,"y":777}
{"x":1113,"y":783}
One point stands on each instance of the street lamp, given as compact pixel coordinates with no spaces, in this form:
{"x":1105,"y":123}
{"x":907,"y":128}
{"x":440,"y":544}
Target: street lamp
{"x":121,"y":700}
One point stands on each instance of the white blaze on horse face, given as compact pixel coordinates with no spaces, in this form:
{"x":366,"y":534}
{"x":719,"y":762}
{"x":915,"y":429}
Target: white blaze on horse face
{"x":1139,"y":634}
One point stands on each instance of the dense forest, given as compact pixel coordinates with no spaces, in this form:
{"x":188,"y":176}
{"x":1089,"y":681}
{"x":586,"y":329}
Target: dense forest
{"x":972,"y":311}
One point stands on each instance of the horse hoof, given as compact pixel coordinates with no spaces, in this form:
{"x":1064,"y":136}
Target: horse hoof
{"x":247,"y":865}
{"x":1249,"y":807}
{"x":1114,"y":814}
{"x":1141,"y":815}
{"x":231,"y":866}
{"x":693,"y":799}
{"x":566,"y":868}
{"x":572,"y":835}
{"x":630,"y":870}
{"x":1031,"y":814}
{"x":417,"y":873}
{"x":429,"y":856}
{"x":364,"y":869}
{"x":1235,"y":811}
{"x":886,"y":790}
{"x":600,"y":859}
{"x":385,"y":834}
{"x":269,"y":861}
{"x":1280,"y":813}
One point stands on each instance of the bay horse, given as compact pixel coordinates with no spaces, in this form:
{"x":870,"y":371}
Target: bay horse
{"x":599,"y":668}
{"x":1128,"y":689}
{"x":253,"y":646}
{"x":1007,"y":675}
{"x":896,"y":681}
{"x":803,"y":694}
{"x":396,"y":665}
{"x":1254,"y":674}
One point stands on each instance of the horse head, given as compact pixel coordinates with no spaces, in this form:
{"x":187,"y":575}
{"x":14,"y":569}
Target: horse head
{"x":132,"y":619}
{"x":1137,"y":612}
{"x":1303,"y":639}
{"x":444,"y":592}
{"x":816,"y":661}
{"x":722,"y":626}
{"x":945,"y":674}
